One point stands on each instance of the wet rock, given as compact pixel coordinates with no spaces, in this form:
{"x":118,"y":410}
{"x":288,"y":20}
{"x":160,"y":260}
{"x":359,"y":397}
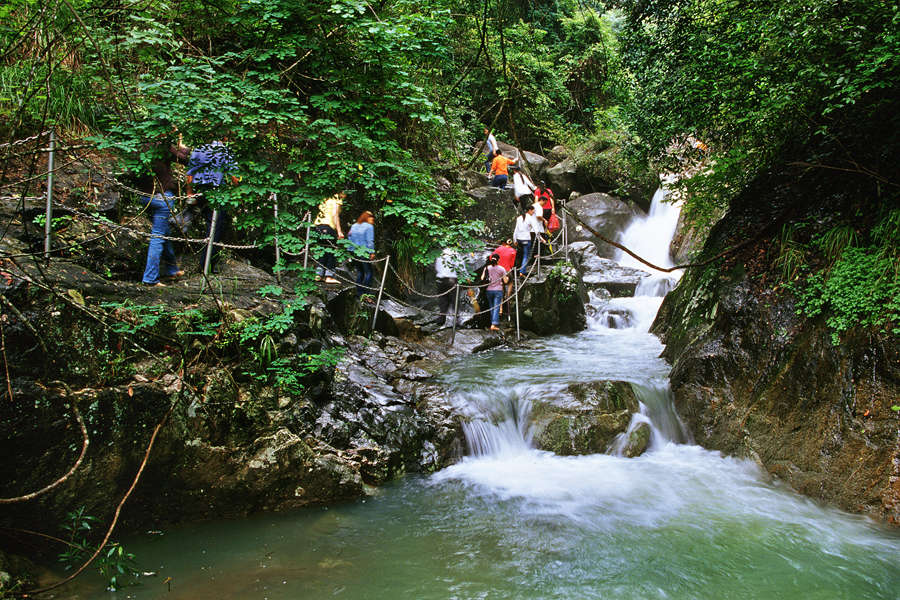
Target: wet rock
{"x":583,"y":418}
{"x":553,"y":302}
{"x":473,"y":179}
{"x":637,"y":442}
{"x":603,"y":273}
{"x":557,"y":154}
{"x":605,"y":214}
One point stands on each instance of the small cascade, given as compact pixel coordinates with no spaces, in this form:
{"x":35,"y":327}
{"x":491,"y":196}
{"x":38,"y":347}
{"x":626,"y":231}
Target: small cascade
{"x":500,"y":427}
{"x":658,"y":413}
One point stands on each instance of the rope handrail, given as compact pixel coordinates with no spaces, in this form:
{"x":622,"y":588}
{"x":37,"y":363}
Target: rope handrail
{"x":36,"y":136}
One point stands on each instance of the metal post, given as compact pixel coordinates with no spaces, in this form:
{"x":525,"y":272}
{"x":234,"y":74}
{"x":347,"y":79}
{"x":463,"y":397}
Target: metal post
{"x":306,"y":247}
{"x":277,"y":247}
{"x":566,"y":236}
{"x":538,"y":257}
{"x":387,"y":259}
{"x":209,"y":246}
{"x":455,"y":314}
{"x":516,"y":292}
{"x":48,"y":225}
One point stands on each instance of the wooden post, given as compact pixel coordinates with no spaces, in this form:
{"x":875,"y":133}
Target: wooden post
{"x":516,"y":292}
{"x":455,"y":313}
{"x":277,"y":247}
{"x":387,"y":260}
{"x":209,"y":246}
{"x":48,"y":225}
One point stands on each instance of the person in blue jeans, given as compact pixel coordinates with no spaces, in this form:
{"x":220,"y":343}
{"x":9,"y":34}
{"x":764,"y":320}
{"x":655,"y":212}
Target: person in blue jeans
{"x":525,"y":226}
{"x":496,"y":276}
{"x":362,"y":235}
{"x":160,"y":252}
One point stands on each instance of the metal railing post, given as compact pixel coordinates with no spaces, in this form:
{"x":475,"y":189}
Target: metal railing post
{"x":566,"y":236}
{"x":48,"y":225}
{"x":516,"y":292}
{"x":277,"y":247}
{"x":387,"y":260}
{"x":212,"y":236}
{"x":306,"y":247}
{"x":455,"y":314}
{"x":538,"y":255}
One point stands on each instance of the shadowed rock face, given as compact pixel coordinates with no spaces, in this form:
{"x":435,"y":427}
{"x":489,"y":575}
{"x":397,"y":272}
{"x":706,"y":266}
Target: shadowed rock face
{"x":606,"y":214}
{"x":583,"y":418}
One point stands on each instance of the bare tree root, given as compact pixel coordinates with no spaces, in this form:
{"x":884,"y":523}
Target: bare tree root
{"x":115,"y":519}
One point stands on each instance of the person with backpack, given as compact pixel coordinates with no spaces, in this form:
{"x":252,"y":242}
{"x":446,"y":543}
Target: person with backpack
{"x":208,"y":168}
{"x":328,"y":225}
{"x":548,"y":203}
{"x":507,"y":259}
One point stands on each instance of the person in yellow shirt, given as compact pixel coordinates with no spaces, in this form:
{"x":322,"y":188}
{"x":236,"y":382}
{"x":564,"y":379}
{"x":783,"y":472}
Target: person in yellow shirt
{"x":500,"y":169}
{"x":328,"y":226}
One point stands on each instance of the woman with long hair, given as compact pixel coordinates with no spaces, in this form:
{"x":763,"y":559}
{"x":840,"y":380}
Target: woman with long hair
{"x":362,"y":235}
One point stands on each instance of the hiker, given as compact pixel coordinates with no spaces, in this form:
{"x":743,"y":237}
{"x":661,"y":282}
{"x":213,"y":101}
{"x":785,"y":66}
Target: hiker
{"x":525,"y":226}
{"x":496,"y":276}
{"x":208,"y":167}
{"x":548,"y":202}
{"x":541,"y":240}
{"x":500,"y":169}
{"x":362,"y":235}
{"x":328,"y":226}
{"x":507,"y":259}
{"x":522,"y":186}
{"x":445,"y":269}
{"x":158,"y":190}
{"x":490,"y":145}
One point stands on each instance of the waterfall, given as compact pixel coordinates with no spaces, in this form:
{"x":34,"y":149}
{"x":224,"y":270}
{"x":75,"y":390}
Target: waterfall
{"x":650,"y":237}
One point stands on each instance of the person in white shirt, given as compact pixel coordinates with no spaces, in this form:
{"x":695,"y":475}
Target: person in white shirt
{"x":490,"y":145}
{"x":522,"y":186}
{"x":540,"y":230}
{"x":525,"y":226}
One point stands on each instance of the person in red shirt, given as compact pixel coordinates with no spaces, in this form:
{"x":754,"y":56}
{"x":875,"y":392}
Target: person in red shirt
{"x":507,"y":259}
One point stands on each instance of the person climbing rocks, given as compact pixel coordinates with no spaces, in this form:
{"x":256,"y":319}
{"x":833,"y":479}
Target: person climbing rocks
{"x":525,"y":227}
{"x":362,"y":235}
{"x":446,"y":269}
{"x":490,"y":145}
{"x":541,"y":239}
{"x":522,"y":186}
{"x":496,"y":276}
{"x":328,"y":225}
{"x":545,"y":196}
{"x":159,"y":186}
{"x":208,"y":168}
{"x":500,"y":169}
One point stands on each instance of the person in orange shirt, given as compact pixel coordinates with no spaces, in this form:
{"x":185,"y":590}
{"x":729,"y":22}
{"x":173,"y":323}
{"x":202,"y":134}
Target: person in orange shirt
{"x":500,"y":169}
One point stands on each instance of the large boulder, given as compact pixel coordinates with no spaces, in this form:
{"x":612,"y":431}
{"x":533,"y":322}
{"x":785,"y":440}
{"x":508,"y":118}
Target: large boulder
{"x":563,"y":178}
{"x":583,"y":418}
{"x":536,"y":164}
{"x":553,"y":301}
{"x":605,"y":214}
{"x":495,"y":207}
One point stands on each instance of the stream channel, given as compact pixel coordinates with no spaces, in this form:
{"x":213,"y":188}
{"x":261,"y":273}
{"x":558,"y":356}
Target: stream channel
{"x":510,"y":521}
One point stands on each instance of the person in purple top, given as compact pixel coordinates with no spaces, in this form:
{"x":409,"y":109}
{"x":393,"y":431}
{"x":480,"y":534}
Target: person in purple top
{"x":208,"y":167}
{"x":496,"y":276}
